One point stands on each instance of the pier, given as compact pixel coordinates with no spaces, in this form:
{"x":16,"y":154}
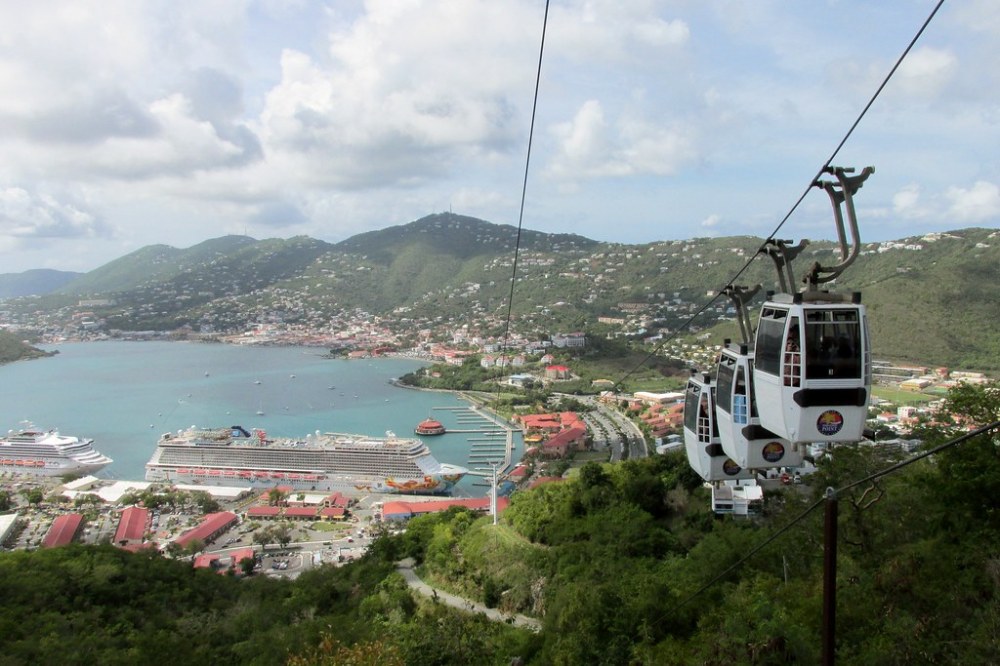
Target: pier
{"x":494,"y":444}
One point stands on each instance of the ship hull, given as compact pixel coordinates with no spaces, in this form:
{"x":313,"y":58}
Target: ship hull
{"x":351,"y":464}
{"x":47,"y":453}
{"x":431,"y":484}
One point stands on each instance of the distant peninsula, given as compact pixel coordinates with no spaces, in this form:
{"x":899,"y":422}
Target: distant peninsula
{"x":12,"y":348}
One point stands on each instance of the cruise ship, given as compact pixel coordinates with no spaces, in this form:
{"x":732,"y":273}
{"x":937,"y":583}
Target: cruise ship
{"x":321,"y":461}
{"x":47,"y":453}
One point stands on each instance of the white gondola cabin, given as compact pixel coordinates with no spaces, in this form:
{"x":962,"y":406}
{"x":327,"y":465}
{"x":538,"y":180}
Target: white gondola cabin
{"x":701,"y":435}
{"x":740,"y":433}
{"x":812,"y":367}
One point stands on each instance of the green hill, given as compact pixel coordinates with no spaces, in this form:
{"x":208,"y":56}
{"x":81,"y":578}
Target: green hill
{"x":931,"y":298}
{"x":12,"y":348}
{"x":34,"y":282}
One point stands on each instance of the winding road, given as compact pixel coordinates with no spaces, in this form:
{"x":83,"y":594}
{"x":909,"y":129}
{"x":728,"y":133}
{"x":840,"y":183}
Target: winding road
{"x":405,"y":568}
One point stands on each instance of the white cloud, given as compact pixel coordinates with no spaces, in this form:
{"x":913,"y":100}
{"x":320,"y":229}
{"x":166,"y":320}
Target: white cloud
{"x":906,"y":202}
{"x":30,"y":215}
{"x":977,"y":204}
{"x":173,"y":120}
{"x":591,"y":148}
{"x":926,"y":72}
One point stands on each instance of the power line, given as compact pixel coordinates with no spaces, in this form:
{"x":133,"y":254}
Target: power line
{"x":812,"y":507}
{"x":524,"y":184}
{"x":797,"y":203}
{"x":520,"y":217}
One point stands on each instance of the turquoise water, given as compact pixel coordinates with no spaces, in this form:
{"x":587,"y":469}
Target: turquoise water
{"x":124,"y":395}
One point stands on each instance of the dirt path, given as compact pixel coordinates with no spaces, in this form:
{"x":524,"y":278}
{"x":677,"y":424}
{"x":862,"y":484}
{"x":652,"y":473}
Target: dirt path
{"x":405,"y":568}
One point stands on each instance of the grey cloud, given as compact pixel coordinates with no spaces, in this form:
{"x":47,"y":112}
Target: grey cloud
{"x":217,"y":98}
{"x":29,"y":215}
{"x":107,"y":114}
{"x":278,"y":214}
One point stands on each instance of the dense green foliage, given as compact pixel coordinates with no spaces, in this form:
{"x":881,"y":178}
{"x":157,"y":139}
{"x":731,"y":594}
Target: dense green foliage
{"x":931,"y":298}
{"x":12,"y":348}
{"x":87,"y":605}
{"x":616,"y":562}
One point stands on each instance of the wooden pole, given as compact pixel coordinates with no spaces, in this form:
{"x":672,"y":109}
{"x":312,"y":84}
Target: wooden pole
{"x":830,"y":579}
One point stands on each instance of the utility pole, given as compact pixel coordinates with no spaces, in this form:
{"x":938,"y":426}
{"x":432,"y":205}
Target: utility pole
{"x":830,"y":578}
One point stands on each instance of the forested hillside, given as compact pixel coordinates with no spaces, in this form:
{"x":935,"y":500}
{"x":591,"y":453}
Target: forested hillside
{"x":931,"y":297}
{"x":12,"y":348}
{"x":616,"y":562}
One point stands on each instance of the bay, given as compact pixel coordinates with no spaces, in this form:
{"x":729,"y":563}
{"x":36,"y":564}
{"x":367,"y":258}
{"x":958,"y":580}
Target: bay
{"x":124,"y":395}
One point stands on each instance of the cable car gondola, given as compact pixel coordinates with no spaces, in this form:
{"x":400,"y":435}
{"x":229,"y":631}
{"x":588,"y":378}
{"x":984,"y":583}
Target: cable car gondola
{"x":742,"y":437}
{"x":812,"y":367}
{"x":812,"y":359}
{"x":701,"y":435}
{"x":740,"y":433}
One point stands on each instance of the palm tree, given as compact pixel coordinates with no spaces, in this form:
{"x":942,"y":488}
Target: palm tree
{"x":276,"y":497}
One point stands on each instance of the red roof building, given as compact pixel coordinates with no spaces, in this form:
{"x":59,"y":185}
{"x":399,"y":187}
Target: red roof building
{"x":562,"y":442}
{"x":300,"y":512}
{"x":557,"y":372}
{"x":211,"y":526}
{"x":332,"y":513}
{"x":336,"y":499}
{"x":406,"y":510}
{"x":542,"y":480}
{"x":519,"y":472}
{"x":240,"y":555}
{"x":64,"y":529}
{"x":131,"y":526}
{"x":264,"y":512}
{"x":206,"y":561}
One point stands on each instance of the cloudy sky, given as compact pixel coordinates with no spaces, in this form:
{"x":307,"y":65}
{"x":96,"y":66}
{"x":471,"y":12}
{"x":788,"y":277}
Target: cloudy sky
{"x":126,"y":123}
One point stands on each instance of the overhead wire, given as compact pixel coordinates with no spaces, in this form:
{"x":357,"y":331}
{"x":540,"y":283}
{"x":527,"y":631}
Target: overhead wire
{"x":687,"y":323}
{"x":835,"y":493}
{"x":505,"y":344}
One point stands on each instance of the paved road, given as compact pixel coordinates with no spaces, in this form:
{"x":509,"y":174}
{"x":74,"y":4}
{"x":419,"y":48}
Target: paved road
{"x":406,"y":569}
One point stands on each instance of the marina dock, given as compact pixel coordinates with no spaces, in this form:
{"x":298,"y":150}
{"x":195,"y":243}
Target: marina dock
{"x":494,"y":443}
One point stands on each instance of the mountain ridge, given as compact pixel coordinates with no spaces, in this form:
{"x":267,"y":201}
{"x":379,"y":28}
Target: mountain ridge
{"x":929,"y":296}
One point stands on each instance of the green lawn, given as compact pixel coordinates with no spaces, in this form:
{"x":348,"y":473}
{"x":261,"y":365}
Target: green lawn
{"x":900,"y":397}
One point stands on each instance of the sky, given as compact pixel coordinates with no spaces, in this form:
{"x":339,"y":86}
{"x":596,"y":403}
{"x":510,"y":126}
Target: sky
{"x":125,"y":124}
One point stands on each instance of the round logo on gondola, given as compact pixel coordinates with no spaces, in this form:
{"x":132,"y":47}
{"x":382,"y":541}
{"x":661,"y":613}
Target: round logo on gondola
{"x":730,"y":467}
{"x":830,"y":422}
{"x":773,"y":452}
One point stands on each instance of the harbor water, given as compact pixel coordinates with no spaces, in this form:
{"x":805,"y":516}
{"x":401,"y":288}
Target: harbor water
{"x":124,"y":395}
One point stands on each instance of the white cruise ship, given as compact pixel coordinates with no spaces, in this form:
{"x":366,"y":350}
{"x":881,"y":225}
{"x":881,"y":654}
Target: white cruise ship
{"x":47,"y":453}
{"x":321,"y":461}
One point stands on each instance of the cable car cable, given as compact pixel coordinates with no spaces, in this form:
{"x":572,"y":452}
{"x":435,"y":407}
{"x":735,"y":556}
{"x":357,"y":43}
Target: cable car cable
{"x":797,"y":203}
{"x":524,"y":188}
{"x":871,"y":477}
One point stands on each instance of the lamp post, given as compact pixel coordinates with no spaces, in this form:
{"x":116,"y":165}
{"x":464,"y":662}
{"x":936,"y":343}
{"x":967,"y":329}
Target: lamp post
{"x":493,"y":492}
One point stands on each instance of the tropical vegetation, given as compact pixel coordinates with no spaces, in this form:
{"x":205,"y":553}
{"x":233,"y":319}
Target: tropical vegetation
{"x":623,"y":564}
